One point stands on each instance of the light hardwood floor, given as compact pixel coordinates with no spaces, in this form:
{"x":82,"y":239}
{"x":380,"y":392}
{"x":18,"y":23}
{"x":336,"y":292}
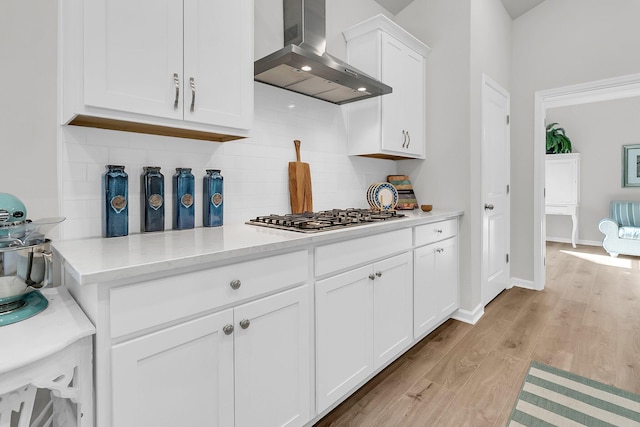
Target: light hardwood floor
{"x":586,"y":321}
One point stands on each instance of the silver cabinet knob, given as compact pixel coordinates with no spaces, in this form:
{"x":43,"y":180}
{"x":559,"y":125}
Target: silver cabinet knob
{"x":379,"y":273}
{"x":488,"y":207}
{"x":439,"y":230}
{"x":235,"y":284}
{"x":372,"y":277}
{"x":439,"y":250}
{"x":244,"y":323}
{"x":228,"y":329}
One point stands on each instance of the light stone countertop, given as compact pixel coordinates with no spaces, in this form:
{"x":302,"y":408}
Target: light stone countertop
{"x":99,"y":260}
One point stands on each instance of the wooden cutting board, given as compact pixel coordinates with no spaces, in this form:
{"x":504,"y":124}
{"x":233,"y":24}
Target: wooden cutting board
{"x":300,"y":184}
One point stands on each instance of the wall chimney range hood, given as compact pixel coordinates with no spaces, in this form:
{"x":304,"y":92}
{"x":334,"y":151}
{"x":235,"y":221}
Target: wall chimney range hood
{"x":303,"y":65}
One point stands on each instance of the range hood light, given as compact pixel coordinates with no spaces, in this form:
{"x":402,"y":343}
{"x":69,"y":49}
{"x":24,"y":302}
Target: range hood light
{"x":305,"y":68}
{"x":362,"y":89}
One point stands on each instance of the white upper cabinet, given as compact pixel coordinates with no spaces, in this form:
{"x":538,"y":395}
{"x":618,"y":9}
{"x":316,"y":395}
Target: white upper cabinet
{"x":390,"y":126}
{"x":155,"y":65}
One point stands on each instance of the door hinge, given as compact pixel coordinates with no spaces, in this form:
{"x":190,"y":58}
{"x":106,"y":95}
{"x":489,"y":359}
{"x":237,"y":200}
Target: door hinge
{"x":507,"y":119}
{"x":507,"y":258}
{"x":507,"y":188}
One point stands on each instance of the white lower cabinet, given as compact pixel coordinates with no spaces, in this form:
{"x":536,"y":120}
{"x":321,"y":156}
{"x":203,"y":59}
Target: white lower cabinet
{"x":363,"y":320}
{"x":242,"y":367}
{"x":178,"y":376}
{"x":273,"y":360}
{"x":435,"y":284}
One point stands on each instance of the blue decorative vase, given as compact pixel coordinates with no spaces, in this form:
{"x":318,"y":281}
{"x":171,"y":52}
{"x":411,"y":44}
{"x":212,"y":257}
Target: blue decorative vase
{"x":152,"y":186}
{"x":183,"y":203}
{"x":213,"y":200}
{"x":115,"y":206}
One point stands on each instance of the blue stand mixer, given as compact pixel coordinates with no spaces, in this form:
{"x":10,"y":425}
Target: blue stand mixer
{"x":25,"y":261}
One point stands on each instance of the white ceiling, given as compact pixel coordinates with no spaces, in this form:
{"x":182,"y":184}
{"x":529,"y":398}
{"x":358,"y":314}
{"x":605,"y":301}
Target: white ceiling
{"x":515,"y":8}
{"x":519,"y":7}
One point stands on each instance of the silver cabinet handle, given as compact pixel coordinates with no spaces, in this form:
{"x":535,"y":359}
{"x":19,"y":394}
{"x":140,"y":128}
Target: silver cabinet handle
{"x":408,"y":139}
{"x":404,"y":138}
{"x":235,"y":284}
{"x":228,"y":329}
{"x":372,"y":277}
{"x":439,"y":230}
{"x":192,"y":82}
{"x":244,"y":323}
{"x":488,"y":207}
{"x":176,"y":80}
{"x":379,"y":273}
{"x":439,"y":250}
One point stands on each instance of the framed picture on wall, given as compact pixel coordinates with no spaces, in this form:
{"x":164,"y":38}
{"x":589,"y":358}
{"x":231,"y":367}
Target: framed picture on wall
{"x":631,"y":165}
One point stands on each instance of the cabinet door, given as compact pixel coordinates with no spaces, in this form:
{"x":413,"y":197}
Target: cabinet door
{"x":403,"y":109}
{"x":272,"y":354}
{"x":392,"y":302}
{"x":218,"y":62}
{"x":132,"y":50}
{"x":344,"y":334}
{"x":435,"y":286}
{"x":394,"y":109}
{"x":180,"y":376}
{"x":425,"y":290}
{"x":447,"y":276}
{"x":562,"y":180}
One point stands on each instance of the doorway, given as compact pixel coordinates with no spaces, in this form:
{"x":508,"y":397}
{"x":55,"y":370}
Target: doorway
{"x":600,"y":90}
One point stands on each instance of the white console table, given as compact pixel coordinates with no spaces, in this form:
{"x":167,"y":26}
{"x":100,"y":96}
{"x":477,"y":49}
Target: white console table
{"x":51,"y":350}
{"x":562,"y":188}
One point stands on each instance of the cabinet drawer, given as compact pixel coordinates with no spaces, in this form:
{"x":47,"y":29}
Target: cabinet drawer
{"x":434,"y":232}
{"x":338,"y":256}
{"x":147,"y":304}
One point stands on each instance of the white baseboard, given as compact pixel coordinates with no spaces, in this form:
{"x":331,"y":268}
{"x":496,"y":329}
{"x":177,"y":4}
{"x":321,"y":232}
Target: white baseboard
{"x":579,"y":241}
{"x":467,"y":316}
{"x":522,"y":283}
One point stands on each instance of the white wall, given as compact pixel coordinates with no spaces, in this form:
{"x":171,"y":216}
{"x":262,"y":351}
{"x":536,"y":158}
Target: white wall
{"x":597,"y":131}
{"x":558,"y":43}
{"x":28,"y":104}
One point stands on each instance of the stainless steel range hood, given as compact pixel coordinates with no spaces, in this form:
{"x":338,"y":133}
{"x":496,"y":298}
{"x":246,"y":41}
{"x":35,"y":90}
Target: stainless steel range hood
{"x":303,"y":66}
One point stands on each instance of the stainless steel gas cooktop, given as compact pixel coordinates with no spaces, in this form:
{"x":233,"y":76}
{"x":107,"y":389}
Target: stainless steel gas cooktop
{"x":313,"y":222}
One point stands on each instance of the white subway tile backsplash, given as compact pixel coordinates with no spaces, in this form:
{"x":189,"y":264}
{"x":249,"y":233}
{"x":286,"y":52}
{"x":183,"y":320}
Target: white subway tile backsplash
{"x":255,"y":169}
{"x":75,"y":172}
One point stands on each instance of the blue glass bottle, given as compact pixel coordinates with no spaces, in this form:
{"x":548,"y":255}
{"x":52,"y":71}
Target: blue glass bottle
{"x":115,"y":206}
{"x":183,"y":203}
{"x":152,"y":192}
{"x":213,"y":201}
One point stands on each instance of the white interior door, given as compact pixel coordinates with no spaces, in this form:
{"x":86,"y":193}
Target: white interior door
{"x":495,"y":190}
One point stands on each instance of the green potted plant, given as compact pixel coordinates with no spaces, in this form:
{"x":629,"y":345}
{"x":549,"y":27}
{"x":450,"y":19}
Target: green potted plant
{"x":557,"y":141}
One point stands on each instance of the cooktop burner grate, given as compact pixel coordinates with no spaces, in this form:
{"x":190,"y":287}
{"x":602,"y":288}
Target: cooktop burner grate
{"x":313,"y":222}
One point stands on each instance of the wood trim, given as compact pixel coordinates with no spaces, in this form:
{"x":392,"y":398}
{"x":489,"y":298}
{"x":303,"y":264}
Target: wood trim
{"x":385,"y":156}
{"x":126,"y":126}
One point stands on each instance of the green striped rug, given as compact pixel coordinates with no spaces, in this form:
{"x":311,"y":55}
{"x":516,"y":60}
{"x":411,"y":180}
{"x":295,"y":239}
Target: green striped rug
{"x":553,"y":397}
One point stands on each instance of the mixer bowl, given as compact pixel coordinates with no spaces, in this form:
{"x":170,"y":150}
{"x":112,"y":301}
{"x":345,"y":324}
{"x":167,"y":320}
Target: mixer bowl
{"x":24,"y":268}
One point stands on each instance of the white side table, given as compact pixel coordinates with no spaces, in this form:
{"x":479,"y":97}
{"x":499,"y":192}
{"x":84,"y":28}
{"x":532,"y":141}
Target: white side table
{"x":51,"y":350}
